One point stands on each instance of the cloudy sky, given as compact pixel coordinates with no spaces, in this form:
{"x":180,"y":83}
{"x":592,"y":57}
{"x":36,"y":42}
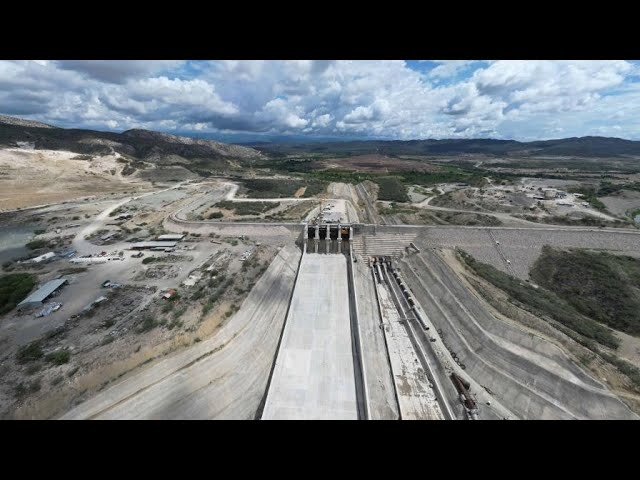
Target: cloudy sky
{"x":522,"y":100}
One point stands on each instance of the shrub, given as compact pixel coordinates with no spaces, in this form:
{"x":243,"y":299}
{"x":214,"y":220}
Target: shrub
{"x":59,"y":358}
{"x":167,"y":307}
{"x":22,"y":390}
{"x":30,"y":352}
{"x":14,"y":288}
{"x":207,"y":308}
{"x":34,"y":368}
{"x":147,"y":324}
{"x":35,"y":244}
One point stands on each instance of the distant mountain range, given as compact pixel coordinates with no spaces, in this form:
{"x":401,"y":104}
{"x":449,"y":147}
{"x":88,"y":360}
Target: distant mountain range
{"x":162,"y":148}
{"x":573,"y":147}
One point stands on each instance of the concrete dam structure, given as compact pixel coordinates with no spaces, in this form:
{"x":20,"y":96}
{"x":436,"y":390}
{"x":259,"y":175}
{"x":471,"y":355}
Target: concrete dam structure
{"x":357,"y":321}
{"x":361,"y":342}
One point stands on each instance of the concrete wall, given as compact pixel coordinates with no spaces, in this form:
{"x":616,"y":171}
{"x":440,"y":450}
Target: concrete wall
{"x":530,"y":376}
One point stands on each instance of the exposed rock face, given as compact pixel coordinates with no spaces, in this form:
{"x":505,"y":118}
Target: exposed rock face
{"x":153,"y":147}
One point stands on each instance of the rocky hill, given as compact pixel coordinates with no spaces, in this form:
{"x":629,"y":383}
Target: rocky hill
{"x":198,"y":155}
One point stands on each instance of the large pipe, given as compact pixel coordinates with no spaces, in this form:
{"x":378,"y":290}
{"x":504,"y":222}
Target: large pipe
{"x":379,"y":272}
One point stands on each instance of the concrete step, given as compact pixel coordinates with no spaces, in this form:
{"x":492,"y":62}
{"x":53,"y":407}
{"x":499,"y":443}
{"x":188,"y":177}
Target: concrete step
{"x":382,"y":244}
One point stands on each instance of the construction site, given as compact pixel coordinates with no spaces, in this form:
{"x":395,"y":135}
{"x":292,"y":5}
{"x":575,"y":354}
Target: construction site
{"x":320,"y":318}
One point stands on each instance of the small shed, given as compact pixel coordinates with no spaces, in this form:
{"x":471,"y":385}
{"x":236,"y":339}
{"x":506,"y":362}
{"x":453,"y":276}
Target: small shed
{"x":169,"y":293}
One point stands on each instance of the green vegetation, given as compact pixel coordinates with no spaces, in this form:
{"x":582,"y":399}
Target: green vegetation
{"x":395,"y":209}
{"x":148,"y":323}
{"x":174,"y":323}
{"x":262,"y":188}
{"x":587,"y":220}
{"x":600,"y":285}
{"x":167,"y":307}
{"x":391,"y":189}
{"x":39,"y":231}
{"x":207,"y":308}
{"x":608,"y":188}
{"x":543,"y":302}
{"x":30,"y":353}
{"x":59,"y":358}
{"x":215,"y":215}
{"x":115,"y":212}
{"x":33,"y":368}
{"x":624,"y":367}
{"x":469,"y":219}
{"x":147,"y":260}
{"x":591,"y":196}
{"x":14,"y":288}
{"x":35,"y":244}
{"x":445,"y":174}
{"x":22,"y":390}
{"x":248,"y":208}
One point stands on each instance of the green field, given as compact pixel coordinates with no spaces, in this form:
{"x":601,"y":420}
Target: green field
{"x":267,"y":188}
{"x":247,"y":208}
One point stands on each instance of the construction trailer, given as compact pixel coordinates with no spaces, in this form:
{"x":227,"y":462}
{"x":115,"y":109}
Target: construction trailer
{"x":150,"y":245}
{"x":42,"y":258}
{"x":170,"y":237}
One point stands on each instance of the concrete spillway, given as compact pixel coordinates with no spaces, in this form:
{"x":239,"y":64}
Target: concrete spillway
{"x":313,"y":377}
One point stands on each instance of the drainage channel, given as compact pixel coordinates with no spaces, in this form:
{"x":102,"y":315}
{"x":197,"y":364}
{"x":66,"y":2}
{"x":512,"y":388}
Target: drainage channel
{"x":415,"y":385}
{"x":399,"y":293}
